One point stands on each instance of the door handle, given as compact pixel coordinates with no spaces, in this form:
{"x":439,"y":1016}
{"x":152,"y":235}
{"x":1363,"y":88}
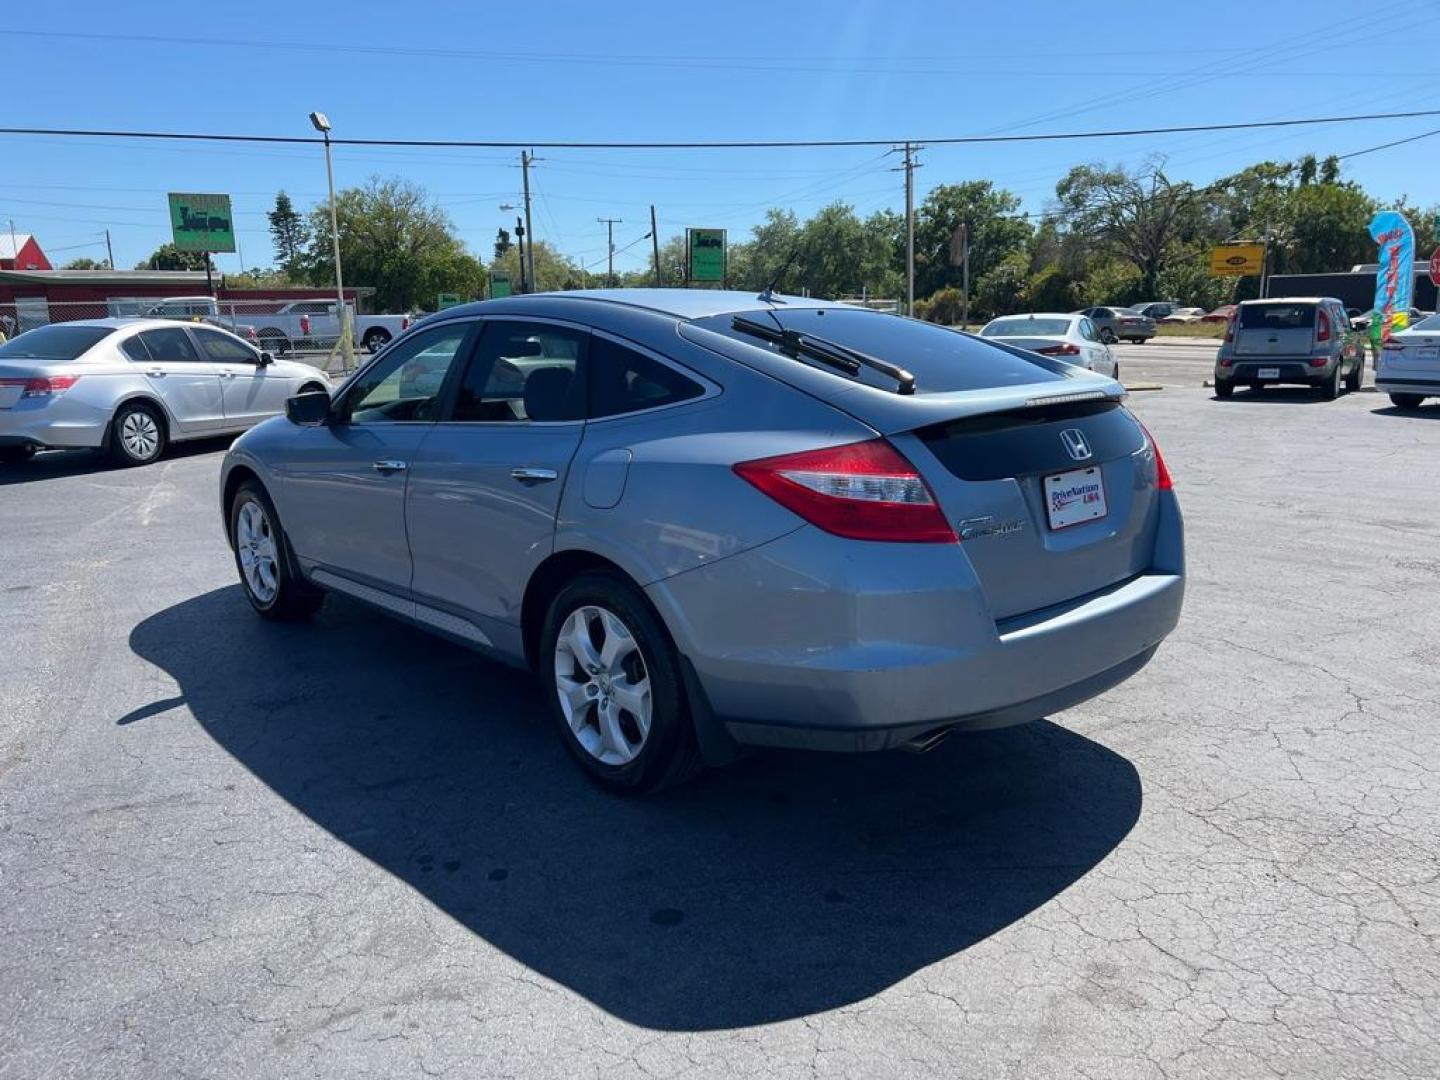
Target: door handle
{"x":155,"y":373}
{"x":389,"y":466}
{"x":534,"y":476}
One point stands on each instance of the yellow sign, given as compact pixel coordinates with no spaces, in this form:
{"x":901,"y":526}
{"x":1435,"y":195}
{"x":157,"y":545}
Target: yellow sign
{"x":1237,"y":259}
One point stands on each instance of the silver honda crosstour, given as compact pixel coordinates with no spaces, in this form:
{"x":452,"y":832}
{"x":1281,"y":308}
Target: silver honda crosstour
{"x":710,"y":520}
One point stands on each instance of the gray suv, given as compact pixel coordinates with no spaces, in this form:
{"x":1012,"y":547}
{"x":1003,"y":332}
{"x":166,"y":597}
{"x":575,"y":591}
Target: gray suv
{"x":1304,"y":340}
{"x":710,"y":519}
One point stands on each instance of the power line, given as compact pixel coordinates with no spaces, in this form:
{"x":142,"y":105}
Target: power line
{"x":1388,"y":145}
{"x":722,"y":144}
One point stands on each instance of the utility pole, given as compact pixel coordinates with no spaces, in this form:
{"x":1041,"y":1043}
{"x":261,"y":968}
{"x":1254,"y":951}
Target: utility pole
{"x":910,"y":168}
{"x":964,"y":276}
{"x":610,"y":223}
{"x":109,"y":251}
{"x":520,"y":250}
{"x":655,"y":245}
{"x":321,"y":123}
{"x":526,"y":160}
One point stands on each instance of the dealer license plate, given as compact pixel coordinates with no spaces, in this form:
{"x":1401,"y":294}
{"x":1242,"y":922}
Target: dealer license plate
{"x":1268,"y":373}
{"x":1074,"y":497}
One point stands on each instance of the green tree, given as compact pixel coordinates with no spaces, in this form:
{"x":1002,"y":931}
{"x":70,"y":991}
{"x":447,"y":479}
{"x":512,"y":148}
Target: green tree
{"x":553,"y":271}
{"x":1137,"y":215}
{"x":165,"y":257}
{"x":989,"y":214}
{"x":287,"y":230}
{"x":1051,"y":289}
{"x":393,"y":238}
{"x":1001,"y":289}
{"x":83,"y":263}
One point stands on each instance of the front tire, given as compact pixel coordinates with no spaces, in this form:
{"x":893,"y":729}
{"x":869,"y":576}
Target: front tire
{"x":611,"y":676}
{"x":1107,"y":335}
{"x":268,"y":574}
{"x":137,"y":434}
{"x":1406,"y":401}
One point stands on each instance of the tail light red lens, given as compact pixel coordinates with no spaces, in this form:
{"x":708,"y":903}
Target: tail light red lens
{"x":1230,"y":327}
{"x":405,"y":323}
{"x":1227,"y":361}
{"x":1322,"y":326}
{"x":51,"y":387}
{"x":861,"y":491}
{"x":1060,"y":350}
{"x":1318,"y":361}
{"x":1162,"y":474}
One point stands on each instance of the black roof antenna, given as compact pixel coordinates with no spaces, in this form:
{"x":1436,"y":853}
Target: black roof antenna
{"x":767,"y":294}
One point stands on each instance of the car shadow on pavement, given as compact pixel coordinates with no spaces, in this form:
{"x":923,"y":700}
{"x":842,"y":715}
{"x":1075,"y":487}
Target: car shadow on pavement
{"x":779,"y":887}
{"x":1276,"y":395}
{"x":1425,"y":412}
{"x":53,"y":464}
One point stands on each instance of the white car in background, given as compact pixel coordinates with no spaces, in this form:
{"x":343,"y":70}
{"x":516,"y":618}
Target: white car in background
{"x":1072,"y":338}
{"x":133,"y":386}
{"x":1408,"y":367}
{"x":1181,"y":316}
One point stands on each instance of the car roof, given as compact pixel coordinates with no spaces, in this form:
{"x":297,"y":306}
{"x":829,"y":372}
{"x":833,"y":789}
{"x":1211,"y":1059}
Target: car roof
{"x":680,"y":303}
{"x":123,"y":322}
{"x":1291,"y":300}
{"x":1041,"y":315}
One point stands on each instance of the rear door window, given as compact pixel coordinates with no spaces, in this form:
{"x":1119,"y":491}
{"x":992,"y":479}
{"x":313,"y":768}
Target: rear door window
{"x":622,"y":380}
{"x":942,"y":360}
{"x":170,"y":345}
{"x":1277,"y":316}
{"x":135,"y":349}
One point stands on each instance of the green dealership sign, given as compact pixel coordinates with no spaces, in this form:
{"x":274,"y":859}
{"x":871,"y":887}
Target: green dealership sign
{"x":202,"y":222}
{"x":499,"y":284}
{"x":448,"y":300}
{"x":707,"y":254}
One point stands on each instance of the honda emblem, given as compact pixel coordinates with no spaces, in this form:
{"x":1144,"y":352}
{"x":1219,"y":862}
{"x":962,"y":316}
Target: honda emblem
{"x":1076,"y":445}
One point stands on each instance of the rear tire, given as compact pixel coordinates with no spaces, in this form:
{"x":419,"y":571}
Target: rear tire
{"x":1224,"y":389}
{"x":376,"y":339}
{"x":137,"y":434}
{"x":1356,"y":378}
{"x":268,"y":573}
{"x":14,"y":455}
{"x":1330,"y":388}
{"x":275,"y":342}
{"x":599,"y":644}
{"x":1406,"y":401}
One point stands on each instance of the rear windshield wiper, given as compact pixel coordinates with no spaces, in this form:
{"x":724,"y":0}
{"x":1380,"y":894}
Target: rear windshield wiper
{"x":795,"y":344}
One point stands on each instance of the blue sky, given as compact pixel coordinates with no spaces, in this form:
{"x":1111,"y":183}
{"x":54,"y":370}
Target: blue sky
{"x":644,"y":70}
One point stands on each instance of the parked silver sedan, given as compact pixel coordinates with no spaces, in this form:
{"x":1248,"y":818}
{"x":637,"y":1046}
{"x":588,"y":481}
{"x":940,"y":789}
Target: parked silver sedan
{"x":132,"y":386}
{"x":1072,"y":338}
{"x":709,"y":519}
{"x":1118,"y":324}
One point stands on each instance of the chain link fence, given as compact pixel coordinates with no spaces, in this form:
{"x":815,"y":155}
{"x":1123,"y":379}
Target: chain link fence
{"x":303,"y":329}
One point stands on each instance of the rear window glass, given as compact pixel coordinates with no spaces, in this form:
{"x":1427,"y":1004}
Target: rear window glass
{"x":1430,"y":323}
{"x":54,"y":342}
{"x":1277,"y":316}
{"x":1027,"y":328}
{"x":941,"y":360}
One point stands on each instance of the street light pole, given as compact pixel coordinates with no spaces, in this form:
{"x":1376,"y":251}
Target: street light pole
{"x":347,"y":343}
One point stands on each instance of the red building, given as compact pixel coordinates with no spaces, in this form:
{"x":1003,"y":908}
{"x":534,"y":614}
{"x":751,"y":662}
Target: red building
{"x":19,"y":251}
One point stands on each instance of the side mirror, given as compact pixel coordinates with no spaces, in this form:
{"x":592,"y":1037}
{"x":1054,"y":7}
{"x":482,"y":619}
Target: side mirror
{"x":266,"y":359}
{"x":308,"y":410}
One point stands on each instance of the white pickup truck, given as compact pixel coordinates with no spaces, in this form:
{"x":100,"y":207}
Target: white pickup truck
{"x":317,"y":321}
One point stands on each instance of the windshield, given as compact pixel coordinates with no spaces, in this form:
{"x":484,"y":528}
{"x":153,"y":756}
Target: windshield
{"x":1027,"y":328}
{"x":1277,"y":316}
{"x":55,"y":343}
{"x":940,"y":359}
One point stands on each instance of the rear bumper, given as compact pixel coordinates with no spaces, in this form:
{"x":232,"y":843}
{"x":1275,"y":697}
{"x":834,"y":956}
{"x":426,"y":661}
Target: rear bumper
{"x":1391,"y":384}
{"x":796,"y":644}
{"x":1289,"y":370}
{"x":54,"y":423}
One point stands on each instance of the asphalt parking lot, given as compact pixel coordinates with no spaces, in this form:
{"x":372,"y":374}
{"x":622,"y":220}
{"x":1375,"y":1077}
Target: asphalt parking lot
{"x":349,"y":850}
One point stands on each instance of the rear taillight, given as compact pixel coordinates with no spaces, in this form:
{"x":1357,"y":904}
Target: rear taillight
{"x":1230,"y":328}
{"x":1393,"y":346}
{"x":1322,"y":326}
{"x":862,"y":491}
{"x":32,"y":388}
{"x":250,"y":334}
{"x":1162,"y":474}
{"x":1060,"y":350}
{"x":1227,"y":361}
{"x":405,"y":324}
{"x":1319,"y":361}
{"x":304,"y":325}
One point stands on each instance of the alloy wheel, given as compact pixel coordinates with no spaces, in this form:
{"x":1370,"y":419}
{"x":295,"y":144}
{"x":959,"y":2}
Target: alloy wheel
{"x":255,"y":543}
{"x":140,"y":434}
{"x":603,"y":685}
